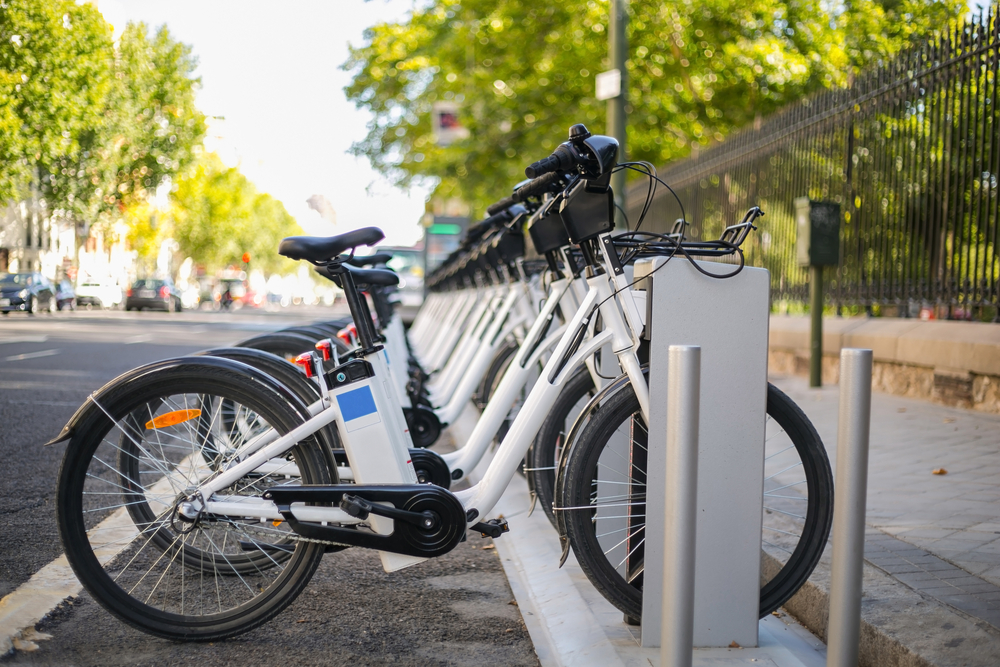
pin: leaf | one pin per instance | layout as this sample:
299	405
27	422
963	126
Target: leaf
939	471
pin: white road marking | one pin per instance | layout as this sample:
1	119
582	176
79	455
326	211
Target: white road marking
24	339
32	355
22	609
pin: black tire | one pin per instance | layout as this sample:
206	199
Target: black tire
30	307
493	374
197	585
292	378
546	449
285	345
613	579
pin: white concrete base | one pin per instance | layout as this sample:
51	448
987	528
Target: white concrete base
570	623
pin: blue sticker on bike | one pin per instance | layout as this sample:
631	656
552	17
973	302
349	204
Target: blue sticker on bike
358	408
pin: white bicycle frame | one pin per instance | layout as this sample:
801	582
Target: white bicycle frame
376	449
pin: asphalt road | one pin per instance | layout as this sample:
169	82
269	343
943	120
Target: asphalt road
456	609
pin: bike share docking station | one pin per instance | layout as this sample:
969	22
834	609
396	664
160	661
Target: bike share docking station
705	465
728	320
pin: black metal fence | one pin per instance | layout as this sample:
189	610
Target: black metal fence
910	151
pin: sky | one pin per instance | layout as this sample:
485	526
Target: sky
271	71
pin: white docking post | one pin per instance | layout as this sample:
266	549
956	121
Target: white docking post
850	499
728	320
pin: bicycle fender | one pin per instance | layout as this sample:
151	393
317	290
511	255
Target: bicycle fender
571	440
90	406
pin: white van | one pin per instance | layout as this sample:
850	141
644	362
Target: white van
100	292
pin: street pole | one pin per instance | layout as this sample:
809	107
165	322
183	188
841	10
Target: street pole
618	54
816	328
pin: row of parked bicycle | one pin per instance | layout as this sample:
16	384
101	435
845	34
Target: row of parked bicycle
197	495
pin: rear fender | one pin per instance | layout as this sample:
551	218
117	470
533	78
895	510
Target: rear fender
90	406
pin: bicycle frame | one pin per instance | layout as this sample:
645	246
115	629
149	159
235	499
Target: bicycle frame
383	457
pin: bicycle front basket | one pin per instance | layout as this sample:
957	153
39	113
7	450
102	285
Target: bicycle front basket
587	211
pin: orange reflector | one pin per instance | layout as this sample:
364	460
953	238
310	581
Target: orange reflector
172	418
276	523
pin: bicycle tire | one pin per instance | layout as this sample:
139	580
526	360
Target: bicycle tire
92	526
495	371
546	448
285	345
621	583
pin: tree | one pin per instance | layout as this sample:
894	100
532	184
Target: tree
218	215
153	125
56	62
96	127
522	73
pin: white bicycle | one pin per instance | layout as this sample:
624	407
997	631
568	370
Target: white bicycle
196	500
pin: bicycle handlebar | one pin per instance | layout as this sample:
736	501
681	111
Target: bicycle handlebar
562	158
532	188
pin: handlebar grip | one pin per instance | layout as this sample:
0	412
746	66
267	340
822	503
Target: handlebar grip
503	204
562	158
544	166
537	186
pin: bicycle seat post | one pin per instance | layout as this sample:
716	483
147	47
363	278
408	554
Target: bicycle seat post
360	313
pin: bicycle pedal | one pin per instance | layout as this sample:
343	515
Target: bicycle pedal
493	528
357	507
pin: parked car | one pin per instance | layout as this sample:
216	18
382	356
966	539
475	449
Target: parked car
26	292
65	296
100	292
409	264
154	294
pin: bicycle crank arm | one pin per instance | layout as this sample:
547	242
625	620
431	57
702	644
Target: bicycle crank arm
427	520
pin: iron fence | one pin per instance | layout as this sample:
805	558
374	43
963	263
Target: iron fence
910	151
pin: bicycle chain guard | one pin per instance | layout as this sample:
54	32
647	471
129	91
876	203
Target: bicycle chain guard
407	537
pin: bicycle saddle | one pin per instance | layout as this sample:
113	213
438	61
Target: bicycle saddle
372	277
368	260
325	248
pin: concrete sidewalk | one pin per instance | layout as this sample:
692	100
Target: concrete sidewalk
932	550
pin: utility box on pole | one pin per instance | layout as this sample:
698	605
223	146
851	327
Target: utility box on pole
817	244
818	240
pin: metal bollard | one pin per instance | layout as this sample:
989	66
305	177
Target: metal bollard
683	391
853	429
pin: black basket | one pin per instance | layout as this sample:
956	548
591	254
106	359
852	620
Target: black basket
548	232
587	211
506	247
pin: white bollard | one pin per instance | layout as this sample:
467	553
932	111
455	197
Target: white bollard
677	620
853	430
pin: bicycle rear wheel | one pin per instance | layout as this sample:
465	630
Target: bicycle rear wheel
129	462
604	500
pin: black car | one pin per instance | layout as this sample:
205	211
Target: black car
26	292
154	294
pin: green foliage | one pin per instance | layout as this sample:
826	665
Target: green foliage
94	126
56	60
218	215
522	73
154	127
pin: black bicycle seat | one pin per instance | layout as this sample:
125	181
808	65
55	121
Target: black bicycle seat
371	277
325	248
369	260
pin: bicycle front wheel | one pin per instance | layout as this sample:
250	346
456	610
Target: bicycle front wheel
131	461
604	500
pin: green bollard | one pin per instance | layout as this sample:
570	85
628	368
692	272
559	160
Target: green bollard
816	328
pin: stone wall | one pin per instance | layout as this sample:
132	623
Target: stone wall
953	363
